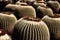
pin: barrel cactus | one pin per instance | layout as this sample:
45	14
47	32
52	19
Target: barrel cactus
4	35
25	11
11	7
36	4
29	28
53	23
42	11
54	5
7	22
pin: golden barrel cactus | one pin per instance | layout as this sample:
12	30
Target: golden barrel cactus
11	7
36	4
42	11
29	28
54	5
53	23
7	22
25	11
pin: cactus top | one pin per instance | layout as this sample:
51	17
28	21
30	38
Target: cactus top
32	19
54	16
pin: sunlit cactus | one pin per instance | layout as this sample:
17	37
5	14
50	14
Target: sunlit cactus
25	11
7	22
29	28
53	23
54	5
42	11
4	35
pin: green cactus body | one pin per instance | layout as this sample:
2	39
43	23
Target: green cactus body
11	7
30	29
25	11
42	11
54	5
53	25
7	22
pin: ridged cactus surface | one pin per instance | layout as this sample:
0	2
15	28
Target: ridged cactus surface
54	5
30	30
7	22
25	11
53	25
42	11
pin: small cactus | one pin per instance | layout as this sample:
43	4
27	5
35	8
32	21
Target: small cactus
54	5
11	7
29	28
42	11
53	23
35	5
7	22
25	11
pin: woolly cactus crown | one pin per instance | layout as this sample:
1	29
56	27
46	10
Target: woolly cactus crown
28	28
7	22
21	3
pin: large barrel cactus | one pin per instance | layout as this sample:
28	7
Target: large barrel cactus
54	5
42	11
25	11
28	28
4	35
7	22
53	23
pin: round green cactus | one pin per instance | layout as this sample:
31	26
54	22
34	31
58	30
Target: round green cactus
28	28
54	5
7	22
53	23
25	11
42	11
